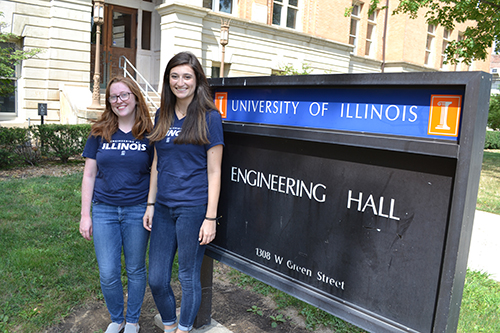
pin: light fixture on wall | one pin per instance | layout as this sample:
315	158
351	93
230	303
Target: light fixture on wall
224	40
98	21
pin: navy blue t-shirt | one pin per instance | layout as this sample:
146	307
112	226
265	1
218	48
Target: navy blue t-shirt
123	168
182	168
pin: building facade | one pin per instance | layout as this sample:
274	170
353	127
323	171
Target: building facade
265	36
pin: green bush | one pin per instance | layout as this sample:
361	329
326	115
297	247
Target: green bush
17	146
494	112
62	141
20	145
492	140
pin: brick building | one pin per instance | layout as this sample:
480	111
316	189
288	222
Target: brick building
264	37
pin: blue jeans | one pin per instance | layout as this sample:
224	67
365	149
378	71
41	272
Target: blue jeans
176	229
115	227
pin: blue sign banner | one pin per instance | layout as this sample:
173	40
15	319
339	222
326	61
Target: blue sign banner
423	113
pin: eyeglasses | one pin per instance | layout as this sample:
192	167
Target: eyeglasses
124	96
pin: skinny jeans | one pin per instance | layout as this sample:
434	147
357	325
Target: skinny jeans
176	229
116	228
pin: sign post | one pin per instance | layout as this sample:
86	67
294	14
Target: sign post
355	193
42	111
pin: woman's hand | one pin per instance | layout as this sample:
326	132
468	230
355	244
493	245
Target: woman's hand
147	219
86	227
207	232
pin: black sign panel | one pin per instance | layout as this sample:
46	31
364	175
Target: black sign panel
316	214
371	228
42	109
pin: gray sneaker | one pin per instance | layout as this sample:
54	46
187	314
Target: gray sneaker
131	328
115	327
158	322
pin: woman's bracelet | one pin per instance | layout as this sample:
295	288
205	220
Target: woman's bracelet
151	203
212	218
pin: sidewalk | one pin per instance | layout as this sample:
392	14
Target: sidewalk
485	244
214	327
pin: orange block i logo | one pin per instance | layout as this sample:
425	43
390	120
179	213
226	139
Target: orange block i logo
221	103
444	115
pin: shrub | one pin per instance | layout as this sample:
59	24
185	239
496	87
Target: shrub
62	141
17	145
494	112
492	140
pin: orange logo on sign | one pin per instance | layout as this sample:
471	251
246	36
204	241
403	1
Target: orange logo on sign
444	116
221	103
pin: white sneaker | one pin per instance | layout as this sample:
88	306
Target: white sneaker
131	328
158	322
115	327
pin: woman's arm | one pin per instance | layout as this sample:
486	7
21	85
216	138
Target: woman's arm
147	220
88	181
214	165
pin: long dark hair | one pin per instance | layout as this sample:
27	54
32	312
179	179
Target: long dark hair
107	125
194	128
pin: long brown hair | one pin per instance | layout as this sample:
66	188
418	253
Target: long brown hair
107	125
194	128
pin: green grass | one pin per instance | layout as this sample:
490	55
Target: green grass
488	198
480	311
47	269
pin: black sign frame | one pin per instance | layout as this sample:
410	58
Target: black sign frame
42	109
464	157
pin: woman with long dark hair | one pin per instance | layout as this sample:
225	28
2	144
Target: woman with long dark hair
184	188
115	185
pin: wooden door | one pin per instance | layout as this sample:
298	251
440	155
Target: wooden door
119	37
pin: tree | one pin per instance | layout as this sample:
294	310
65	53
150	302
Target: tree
10	57
494	114
478	37
290	70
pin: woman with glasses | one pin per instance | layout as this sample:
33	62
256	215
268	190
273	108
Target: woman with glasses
115	185
185	186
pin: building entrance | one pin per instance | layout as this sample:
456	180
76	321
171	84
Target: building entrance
119	38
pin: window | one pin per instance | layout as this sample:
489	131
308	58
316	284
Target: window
370	35
122	30
146	30
353	32
215	71
446	41
285	13
429	44
8	96
224	6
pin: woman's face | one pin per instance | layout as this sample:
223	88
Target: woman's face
122	100
182	82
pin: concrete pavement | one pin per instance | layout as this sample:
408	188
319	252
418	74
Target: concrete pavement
215	327
485	244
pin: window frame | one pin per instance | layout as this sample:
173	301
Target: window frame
356	22
371	39
446	40
17	73
431	36
214	5
286	8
